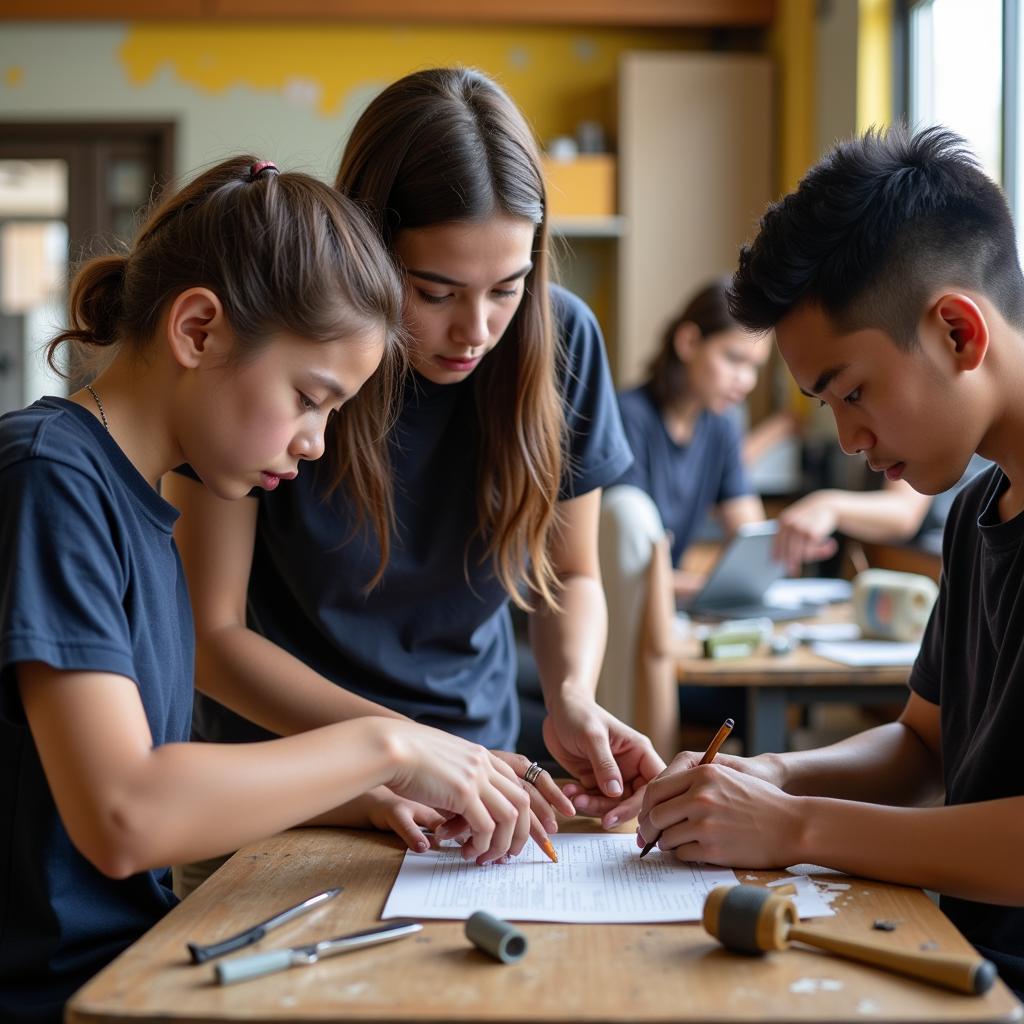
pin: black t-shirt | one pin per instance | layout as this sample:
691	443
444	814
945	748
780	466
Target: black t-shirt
90	581
434	639
972	665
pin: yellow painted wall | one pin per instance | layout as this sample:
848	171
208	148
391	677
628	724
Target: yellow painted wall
874	63
292	90
791	42
557	76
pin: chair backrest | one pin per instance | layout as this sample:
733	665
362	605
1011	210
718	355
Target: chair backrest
636	677
656	690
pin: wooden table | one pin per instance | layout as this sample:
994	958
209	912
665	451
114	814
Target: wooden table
593	973
773	681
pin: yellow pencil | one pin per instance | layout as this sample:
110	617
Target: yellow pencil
546	845
709	755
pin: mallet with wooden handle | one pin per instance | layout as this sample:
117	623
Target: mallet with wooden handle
752	919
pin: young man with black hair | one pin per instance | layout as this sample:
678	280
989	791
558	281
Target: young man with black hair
891	279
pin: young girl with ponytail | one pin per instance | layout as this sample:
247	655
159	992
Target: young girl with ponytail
252	306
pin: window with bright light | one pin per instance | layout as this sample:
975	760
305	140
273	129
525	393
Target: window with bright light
956	73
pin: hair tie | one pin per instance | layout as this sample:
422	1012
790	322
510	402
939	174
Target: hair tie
260	166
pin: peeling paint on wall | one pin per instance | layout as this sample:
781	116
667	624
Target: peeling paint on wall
558	76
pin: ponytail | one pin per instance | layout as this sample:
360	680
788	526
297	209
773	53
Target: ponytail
95	310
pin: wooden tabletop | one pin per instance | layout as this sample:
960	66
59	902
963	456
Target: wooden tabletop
799	666
593	973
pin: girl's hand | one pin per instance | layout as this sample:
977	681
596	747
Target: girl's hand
381	809
719	815
387	811
545	798
611	761
445	772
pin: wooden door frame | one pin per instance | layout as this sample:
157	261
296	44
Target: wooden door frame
76	142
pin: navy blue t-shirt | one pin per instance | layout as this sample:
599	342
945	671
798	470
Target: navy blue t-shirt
972	665
686	480
434	639
91	581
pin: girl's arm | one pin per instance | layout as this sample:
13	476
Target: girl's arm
265	683
235	665
596	748
129	806
569	643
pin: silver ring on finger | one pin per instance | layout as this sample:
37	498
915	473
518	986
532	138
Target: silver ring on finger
532	773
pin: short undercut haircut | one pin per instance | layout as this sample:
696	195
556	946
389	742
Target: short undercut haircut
873	229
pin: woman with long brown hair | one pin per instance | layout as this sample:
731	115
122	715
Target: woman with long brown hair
505	434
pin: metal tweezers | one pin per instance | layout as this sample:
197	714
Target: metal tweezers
259	964
200	954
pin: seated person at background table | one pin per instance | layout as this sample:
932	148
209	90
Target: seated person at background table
892	282
506	431
687	451
220	359
688	461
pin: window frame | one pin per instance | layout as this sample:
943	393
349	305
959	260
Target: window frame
1010	129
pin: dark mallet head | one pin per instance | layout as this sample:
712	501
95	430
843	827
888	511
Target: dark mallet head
748	918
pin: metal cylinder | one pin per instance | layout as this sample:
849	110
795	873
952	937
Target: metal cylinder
498	938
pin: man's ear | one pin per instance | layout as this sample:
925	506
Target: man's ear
685	340
197	329
963	327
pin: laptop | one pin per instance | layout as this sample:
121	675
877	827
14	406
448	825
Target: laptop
736	586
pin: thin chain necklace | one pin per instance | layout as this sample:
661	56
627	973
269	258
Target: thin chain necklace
103	415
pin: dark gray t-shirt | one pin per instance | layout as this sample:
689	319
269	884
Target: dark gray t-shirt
685	481
972	665
434	639
90	580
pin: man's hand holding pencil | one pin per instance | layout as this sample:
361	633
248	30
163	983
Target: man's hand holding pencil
722	810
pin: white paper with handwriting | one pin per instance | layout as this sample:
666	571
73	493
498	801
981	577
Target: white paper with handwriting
599	878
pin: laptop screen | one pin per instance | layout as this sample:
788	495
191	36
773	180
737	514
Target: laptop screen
743	572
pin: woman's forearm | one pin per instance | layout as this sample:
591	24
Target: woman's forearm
568	644
265	684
